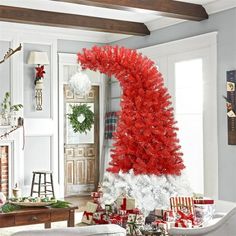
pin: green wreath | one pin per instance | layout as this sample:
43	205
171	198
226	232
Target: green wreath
86	125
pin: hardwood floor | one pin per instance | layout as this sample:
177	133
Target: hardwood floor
79	201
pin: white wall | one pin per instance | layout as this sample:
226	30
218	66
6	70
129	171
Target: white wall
41	127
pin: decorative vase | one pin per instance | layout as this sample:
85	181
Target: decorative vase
5	119
16	191
13	118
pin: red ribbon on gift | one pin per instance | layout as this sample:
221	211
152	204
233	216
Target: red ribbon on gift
157	222
124	204
87	214
184	216
169	214
134	211
100	221
115	219
182	223
203	201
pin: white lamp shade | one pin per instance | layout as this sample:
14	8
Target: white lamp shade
38	58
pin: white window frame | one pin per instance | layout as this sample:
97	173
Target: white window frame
165	55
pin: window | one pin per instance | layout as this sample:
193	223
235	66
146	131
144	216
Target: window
189	70
189	114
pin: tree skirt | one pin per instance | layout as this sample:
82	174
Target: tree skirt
149	191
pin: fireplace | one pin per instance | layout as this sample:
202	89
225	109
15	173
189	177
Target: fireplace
4	164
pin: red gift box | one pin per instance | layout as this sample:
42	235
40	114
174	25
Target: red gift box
96	194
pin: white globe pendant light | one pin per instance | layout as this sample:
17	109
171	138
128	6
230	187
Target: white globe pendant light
80	82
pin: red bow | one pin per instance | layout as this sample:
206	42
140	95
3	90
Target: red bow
40	71
87	214
183	216
183	223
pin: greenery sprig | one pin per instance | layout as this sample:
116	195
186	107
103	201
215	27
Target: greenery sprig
60	204
6	105
8	207
86	125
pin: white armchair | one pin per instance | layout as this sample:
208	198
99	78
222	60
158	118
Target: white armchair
223	223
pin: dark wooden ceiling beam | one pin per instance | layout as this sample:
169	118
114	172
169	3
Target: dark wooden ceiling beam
168	8
38	17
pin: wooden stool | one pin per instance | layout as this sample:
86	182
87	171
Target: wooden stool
42	184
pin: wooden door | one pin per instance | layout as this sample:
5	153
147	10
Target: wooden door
81	151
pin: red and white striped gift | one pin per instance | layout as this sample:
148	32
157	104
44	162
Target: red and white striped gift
182	203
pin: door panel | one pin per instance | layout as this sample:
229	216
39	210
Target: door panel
80	172
90	170
69	172
81	151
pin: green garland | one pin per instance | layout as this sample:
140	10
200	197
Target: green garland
86	125
9	207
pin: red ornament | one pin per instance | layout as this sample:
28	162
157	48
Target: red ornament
40	71
145	139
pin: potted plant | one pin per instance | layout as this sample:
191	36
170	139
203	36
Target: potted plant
8	110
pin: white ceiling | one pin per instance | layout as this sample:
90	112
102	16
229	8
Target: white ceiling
152	21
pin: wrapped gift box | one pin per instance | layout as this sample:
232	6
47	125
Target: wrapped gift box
169	216
204	210
88	213
159	213
160	223
184	204
98	215
125	203
134	223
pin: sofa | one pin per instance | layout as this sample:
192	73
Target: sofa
96	230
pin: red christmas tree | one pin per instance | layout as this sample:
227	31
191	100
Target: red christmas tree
145	139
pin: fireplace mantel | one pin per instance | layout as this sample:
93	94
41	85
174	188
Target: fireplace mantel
14	144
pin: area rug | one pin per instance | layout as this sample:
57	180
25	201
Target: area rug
10	230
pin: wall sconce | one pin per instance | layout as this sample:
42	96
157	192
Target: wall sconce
40	59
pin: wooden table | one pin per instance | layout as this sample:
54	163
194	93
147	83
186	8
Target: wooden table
38	215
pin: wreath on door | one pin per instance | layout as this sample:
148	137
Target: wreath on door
81	118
